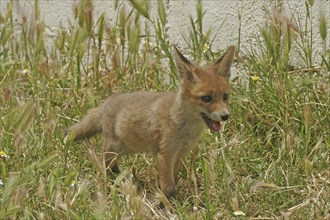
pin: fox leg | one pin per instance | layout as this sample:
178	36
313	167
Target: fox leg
165	165
111	157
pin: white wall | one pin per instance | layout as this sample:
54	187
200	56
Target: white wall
221	15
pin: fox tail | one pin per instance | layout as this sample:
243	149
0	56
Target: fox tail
89	126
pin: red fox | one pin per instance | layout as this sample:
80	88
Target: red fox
165	123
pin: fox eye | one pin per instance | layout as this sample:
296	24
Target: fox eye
225	96
206	98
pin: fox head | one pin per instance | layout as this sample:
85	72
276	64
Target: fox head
206	89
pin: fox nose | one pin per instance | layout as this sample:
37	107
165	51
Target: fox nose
224	117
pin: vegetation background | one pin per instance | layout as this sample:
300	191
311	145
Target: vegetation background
270	162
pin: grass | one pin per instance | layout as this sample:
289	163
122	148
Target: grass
270	162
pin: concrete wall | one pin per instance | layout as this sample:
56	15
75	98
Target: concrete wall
221	15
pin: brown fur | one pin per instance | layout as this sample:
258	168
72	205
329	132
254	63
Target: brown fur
165	123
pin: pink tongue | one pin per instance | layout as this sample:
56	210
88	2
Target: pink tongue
216	126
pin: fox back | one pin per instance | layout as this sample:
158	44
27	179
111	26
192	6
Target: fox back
166	123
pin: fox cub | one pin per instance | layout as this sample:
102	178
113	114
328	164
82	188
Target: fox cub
165	123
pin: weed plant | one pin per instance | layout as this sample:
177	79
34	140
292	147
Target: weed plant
270	162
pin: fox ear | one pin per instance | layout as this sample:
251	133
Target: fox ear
183	65
224	63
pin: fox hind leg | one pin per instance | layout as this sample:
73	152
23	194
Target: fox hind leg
111	156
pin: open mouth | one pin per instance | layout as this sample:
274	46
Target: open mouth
213	125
